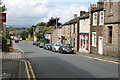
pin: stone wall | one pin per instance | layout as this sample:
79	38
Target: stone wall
111	17
54	37
99	32
111	48
119	40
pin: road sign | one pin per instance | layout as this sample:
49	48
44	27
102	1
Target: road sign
2	17
45	35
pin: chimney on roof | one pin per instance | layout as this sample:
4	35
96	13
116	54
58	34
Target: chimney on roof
93	5
82	13
75	16
100	3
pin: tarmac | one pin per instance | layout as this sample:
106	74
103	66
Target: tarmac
90	55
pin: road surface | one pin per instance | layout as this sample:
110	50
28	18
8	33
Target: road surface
47	64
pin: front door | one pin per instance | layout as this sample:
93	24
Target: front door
100	45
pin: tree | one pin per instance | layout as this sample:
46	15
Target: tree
46	29
3	8
31	30
52	22
13	28
41	24
24	35
39	36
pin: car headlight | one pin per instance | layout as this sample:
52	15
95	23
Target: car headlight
72	48
64	49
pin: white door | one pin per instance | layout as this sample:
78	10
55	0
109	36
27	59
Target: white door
100	45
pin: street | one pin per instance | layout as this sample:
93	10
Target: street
47	64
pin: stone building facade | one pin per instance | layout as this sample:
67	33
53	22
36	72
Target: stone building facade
97	23
71	32
112	29
84	33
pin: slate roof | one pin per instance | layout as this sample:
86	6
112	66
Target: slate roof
72	21
49	32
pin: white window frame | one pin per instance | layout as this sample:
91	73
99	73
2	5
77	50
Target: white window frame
95	21
101	21
94	39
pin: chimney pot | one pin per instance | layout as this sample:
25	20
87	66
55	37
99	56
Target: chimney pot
75	16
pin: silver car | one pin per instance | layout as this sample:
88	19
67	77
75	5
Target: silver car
56	47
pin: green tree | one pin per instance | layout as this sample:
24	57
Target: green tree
31	30
41	24
3	8
39	36
24	35
46	29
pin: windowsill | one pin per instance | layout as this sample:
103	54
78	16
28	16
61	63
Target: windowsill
111	14
94	25
101	24
93	46
109	44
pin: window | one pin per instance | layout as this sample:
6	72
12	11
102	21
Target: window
73	28
95	18
74	43
111	5
109	34
101	18
94	39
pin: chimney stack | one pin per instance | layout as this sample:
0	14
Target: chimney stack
82	13
75	16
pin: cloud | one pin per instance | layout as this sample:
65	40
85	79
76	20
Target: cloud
30	12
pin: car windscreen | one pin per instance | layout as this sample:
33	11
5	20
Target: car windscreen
67	45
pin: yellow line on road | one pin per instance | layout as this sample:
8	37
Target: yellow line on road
27	70
101	59
31	69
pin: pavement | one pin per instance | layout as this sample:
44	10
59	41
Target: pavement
10	69
12	66
47	64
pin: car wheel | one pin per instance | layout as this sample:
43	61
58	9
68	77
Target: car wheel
62	52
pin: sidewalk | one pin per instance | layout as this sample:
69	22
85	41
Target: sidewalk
115	59
11	63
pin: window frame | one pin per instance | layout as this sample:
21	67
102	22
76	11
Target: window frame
101	22
94	39
111	6
110	41
94	24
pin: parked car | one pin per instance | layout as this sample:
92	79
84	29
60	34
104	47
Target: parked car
34	42
66	48
45	46
16	40
55	47
41	45
20	39
50	46
37	43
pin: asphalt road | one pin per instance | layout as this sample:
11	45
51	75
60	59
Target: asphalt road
47	64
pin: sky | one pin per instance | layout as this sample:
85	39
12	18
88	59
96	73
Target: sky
25	13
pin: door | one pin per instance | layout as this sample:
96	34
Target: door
100	45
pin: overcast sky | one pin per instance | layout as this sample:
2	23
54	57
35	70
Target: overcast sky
30	12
